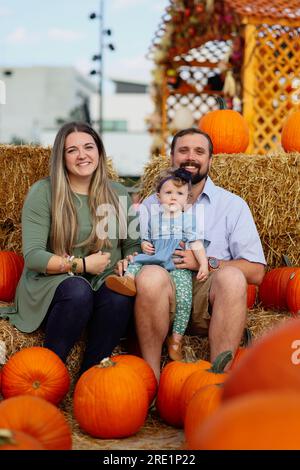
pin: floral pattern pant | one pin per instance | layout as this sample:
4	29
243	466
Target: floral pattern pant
184	287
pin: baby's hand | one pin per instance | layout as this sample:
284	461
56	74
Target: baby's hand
202	274
147	248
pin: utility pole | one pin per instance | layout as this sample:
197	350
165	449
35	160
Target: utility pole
100	58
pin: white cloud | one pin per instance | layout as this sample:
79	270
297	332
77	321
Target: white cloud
65	35
5	11
83	65
21	36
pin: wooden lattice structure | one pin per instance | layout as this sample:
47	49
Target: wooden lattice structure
247	52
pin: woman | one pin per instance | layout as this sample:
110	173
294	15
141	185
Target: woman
67	256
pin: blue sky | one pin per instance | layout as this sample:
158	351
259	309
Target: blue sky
59	32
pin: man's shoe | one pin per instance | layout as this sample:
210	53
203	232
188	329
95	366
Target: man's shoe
174	349
124	285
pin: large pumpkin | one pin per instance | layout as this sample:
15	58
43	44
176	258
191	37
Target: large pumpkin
293	293
202	404
35	371
271	363
172	379
18	440
273	289
38	418
110	400
11	267
259	421
227	129
290	138
212	375
142	368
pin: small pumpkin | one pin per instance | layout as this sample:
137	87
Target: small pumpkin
202	404
290	139
293	293
38	418
273	362
18	440
35	371
110	400
251	295
11	267
172	379
142	368
227	129
273	289
258	421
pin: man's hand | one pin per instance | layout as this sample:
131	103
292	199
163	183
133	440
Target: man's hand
185	259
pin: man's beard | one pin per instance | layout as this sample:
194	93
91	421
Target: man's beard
198	177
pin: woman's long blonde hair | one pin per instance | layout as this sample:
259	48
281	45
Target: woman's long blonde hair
64	224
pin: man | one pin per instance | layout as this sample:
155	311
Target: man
235	259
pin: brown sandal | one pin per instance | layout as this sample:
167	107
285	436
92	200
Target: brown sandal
124	285
174	349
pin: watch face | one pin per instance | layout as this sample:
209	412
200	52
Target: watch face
213	263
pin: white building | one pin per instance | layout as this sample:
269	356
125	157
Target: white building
38	99
125	134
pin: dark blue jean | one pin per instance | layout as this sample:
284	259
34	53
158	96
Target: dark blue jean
76	307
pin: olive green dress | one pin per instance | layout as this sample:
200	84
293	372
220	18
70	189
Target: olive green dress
36	289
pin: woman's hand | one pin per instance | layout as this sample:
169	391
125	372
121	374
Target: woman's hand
147	248
97	262
122	265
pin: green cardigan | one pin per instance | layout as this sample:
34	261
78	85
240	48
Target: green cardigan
36	289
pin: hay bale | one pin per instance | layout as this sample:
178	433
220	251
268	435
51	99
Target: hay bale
270	186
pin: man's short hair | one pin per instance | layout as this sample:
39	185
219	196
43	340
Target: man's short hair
191	131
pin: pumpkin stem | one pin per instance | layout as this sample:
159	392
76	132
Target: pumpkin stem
220	362
221	102
247	337
6	437
106	362
287	260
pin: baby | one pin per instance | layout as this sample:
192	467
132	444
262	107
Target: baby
169	225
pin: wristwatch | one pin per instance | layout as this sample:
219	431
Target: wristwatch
213	263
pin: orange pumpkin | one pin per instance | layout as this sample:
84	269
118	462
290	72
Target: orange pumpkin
11	267
251	295
110	400
259	421
142	368
202	404
209	376
170	386
290	139
35	371
18	440
293	293
271	363
273	289
190	387
38	418
227	129
237	357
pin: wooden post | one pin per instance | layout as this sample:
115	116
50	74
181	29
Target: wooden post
249	73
